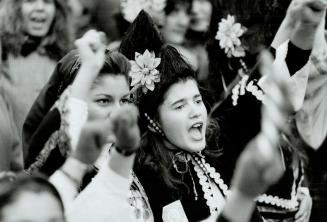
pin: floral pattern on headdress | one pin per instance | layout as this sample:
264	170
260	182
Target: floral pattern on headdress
229	34
131	8
143	71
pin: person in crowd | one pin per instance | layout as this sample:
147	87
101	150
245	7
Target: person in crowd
288	199
29	198
102	86
309	127
101	100
197	36
168	154
34	35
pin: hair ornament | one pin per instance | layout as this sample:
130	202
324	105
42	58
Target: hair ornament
143	71
229	34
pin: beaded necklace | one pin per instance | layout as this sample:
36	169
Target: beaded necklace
205	172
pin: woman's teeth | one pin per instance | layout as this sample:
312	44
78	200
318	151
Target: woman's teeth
39	20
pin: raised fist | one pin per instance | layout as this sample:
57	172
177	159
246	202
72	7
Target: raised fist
126	129
260	164
92	48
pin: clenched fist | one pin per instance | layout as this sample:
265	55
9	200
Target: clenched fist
91	48
126	129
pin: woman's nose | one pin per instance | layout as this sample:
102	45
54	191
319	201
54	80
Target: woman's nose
39	4
183	18
195	8
195	111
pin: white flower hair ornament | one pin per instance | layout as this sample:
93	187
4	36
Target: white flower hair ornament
228	34
143	71
131	8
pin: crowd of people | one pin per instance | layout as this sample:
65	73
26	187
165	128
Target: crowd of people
163	110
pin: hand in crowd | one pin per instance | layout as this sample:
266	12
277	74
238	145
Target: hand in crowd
126	129
91	48
121	129
260	165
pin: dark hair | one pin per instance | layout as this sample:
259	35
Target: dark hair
115	64
11	190
172	5
173	69
55	44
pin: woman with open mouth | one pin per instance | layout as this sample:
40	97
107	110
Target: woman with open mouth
34	35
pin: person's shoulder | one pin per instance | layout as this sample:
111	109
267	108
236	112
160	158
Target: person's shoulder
68	65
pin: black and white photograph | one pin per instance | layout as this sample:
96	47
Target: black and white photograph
163	111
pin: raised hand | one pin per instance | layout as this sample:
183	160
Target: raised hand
260	164
91	48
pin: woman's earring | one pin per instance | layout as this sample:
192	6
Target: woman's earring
180	162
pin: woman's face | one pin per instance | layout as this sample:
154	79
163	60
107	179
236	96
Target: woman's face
183	116
34	207
38	16
108	93
176	25
200	16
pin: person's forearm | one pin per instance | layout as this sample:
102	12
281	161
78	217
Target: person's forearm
68	178
122	165
83	81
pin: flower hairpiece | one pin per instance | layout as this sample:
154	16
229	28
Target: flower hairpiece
228	34
143	71
131	8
